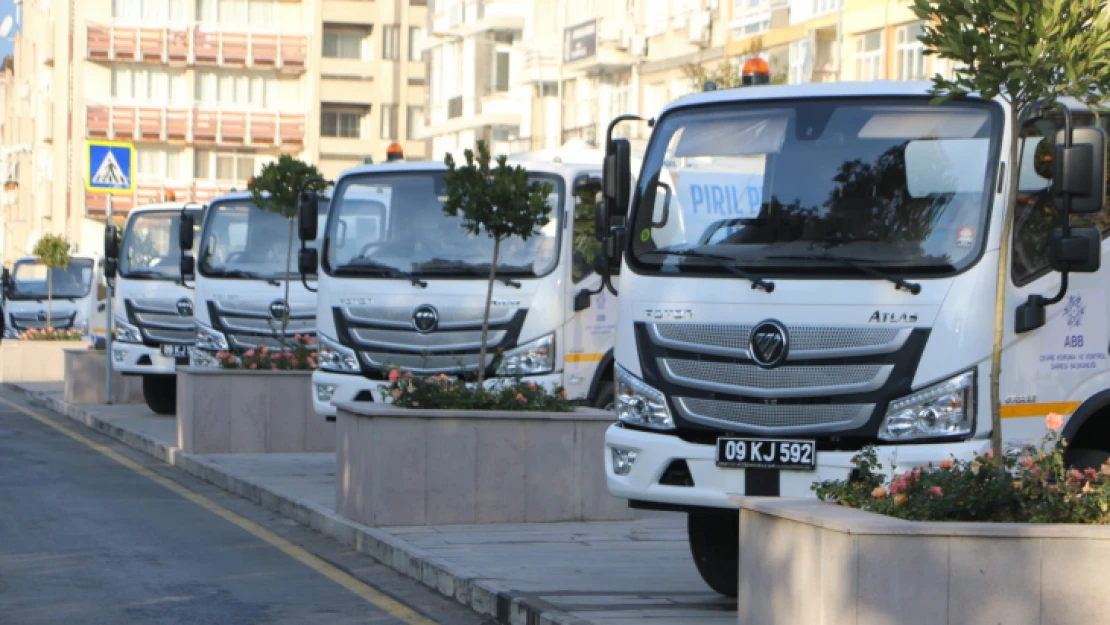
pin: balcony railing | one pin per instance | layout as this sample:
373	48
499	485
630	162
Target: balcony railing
194	125
96	204
196	45
585	133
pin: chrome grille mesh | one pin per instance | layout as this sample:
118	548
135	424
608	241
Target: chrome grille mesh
805	341
772	418
413	341
747	379
160	322
59	321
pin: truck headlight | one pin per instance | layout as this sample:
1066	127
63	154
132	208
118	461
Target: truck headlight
335	357
126	333
210	339
535	358
639	404
10	332
943	409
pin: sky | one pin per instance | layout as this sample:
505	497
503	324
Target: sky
7	7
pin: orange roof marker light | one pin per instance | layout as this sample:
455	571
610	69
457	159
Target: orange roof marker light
755	72
170	195
394	153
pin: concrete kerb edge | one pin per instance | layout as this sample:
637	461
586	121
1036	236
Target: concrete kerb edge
458	583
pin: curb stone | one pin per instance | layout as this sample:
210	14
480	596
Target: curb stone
464	586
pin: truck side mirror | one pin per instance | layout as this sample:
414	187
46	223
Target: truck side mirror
1080	252
308	261
111	242
188	267
308	216
616	185
581	300
111	267
185	233
1080	171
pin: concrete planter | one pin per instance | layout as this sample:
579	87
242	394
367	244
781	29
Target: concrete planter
84	380
249	412
35	361
398	466
804	561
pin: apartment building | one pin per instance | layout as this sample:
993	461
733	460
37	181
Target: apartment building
209	91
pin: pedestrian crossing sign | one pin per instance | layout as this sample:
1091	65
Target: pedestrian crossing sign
110	167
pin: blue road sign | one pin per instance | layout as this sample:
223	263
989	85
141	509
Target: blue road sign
109	167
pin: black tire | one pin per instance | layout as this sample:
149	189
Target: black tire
1083	459
160	393
604	398
715	545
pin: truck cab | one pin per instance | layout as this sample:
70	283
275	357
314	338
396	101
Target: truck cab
403	284
152	307
240	271
811	269
79	293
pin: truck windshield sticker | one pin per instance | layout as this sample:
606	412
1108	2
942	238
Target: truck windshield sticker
720	194
1076	338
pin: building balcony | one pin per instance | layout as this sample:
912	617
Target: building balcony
360	12
194	125
345	146
341	91
457	114
197	46
148	192
464	18
539	60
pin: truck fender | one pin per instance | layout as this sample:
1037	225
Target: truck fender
603	365
1088	409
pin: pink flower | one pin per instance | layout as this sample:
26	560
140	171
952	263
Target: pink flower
297	336
878	492
394	375
935	491
231	360
1027	462
250	353
396	393
308	341
898	485
532	385
520	398
1054	422
222	355
562	394
254	366
292	362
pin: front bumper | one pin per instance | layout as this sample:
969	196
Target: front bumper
329	388
713	485
135	359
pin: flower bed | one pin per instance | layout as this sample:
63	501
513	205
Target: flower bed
1031	486
441	392
301	356
51	334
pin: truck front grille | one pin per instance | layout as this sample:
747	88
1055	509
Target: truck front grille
33	321
159	321
249	324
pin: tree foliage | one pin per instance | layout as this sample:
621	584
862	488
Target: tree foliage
53	251
726	74
498	200
1026	52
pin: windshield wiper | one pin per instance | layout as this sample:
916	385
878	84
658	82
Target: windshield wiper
724	262
357	266
468	269
859	264
244	275
147	273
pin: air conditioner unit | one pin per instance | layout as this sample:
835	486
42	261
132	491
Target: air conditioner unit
699	30
637	46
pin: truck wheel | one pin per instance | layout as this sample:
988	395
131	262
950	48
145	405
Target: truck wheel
604	398
160	393
1083	459
715	545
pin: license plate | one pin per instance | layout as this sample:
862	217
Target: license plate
175	351
766	454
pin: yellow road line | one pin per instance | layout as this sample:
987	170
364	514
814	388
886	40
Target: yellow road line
1017	411
381	601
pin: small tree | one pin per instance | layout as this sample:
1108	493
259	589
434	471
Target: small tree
53	251
1025	52
278	189
726	75
499	200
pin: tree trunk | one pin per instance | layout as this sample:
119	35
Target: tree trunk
49	296
1013	171
485	317
288	263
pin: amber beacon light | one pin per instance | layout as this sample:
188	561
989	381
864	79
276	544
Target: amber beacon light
394	153
755	72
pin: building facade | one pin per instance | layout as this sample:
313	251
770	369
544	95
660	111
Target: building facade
208	91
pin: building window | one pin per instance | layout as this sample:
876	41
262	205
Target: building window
799	53
391	44
137	84
339	123
416	44
910	53
343	44
237	12
414	126
389	122
821	7
501	73
751	17
235	88
158	163
149	11
869	56
223	167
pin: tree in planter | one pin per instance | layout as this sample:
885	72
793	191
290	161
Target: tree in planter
498	200
278	189
53	251
1026	52
726	74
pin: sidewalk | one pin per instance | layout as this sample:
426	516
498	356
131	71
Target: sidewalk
527	574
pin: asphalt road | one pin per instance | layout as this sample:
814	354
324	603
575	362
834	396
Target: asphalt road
86	539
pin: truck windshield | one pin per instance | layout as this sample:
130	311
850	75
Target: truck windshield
150	249
781	187
382	224
242	241
29	280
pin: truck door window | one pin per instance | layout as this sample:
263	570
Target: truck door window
1035	213
586	246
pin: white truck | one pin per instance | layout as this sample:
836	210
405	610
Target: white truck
79	296
151	306
402	284
810	269
239	270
